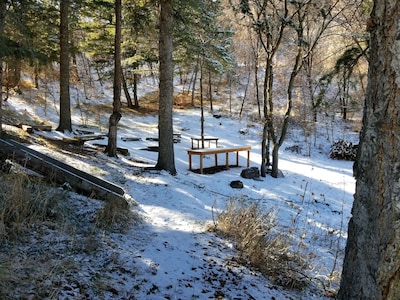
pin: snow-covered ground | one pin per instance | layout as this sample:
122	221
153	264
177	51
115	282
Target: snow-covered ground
171	255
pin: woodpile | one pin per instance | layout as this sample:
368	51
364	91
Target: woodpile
343	150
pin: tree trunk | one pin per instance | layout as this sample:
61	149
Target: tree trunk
36	74
289	103
111	148
196	70
245	92
210	91
166	159
2	22
126	91
65	101
201	107
256	86
371	268
268	108
135	89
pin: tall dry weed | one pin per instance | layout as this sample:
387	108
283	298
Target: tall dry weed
25	200
252	229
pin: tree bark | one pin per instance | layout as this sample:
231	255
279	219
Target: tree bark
196	69
111	148
135	86
371	268
65	101
166	159
3	7
126	91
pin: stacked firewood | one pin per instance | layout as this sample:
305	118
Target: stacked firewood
343	150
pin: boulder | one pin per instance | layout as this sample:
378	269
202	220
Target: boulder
251	173
236	184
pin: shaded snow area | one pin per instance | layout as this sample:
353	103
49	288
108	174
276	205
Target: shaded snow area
170	254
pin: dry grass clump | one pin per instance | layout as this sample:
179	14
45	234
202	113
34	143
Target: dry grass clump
25	200
115	217
252	231
42	231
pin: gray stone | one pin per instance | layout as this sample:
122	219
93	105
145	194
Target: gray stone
250	173
236	184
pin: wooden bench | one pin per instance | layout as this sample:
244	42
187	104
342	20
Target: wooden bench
206	139
216	151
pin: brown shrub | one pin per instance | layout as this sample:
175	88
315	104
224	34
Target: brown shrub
253	233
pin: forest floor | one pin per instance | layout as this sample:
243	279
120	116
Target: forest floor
163	248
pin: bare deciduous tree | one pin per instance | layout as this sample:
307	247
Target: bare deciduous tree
280	25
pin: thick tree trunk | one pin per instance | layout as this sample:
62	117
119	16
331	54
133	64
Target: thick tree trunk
2	22
111	148
371	268
65	102
166	159
267	110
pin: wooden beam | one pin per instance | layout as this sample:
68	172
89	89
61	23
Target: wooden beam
59	172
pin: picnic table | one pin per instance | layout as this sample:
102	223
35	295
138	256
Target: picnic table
208	139
207	151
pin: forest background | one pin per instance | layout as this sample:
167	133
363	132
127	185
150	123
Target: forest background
292	59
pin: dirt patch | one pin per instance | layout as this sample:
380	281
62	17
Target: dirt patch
148	104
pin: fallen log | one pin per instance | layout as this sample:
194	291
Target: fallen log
30	128
59	172
123	151
130	139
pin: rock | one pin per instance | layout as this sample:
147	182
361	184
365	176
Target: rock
236	184
243	131
250	173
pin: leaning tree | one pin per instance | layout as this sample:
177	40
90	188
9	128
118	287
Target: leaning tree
371	268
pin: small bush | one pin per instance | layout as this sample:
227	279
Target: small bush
252	231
